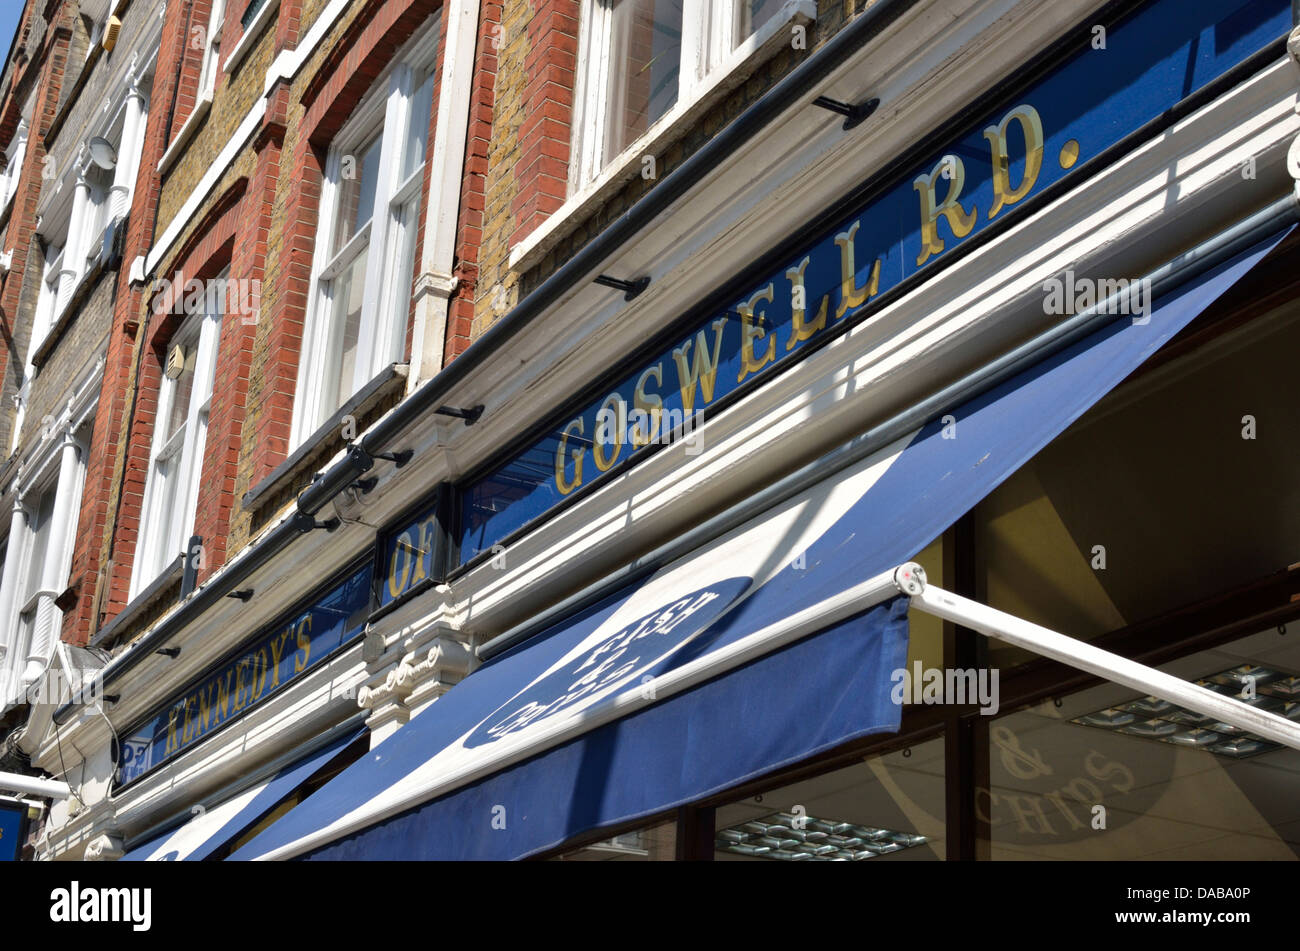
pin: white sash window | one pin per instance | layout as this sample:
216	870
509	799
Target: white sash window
643	61
180	434
365	247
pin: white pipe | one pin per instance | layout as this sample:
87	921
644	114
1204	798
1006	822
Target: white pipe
35	786
435	284
1086	657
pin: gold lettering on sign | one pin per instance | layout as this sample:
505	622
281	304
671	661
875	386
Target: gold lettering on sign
172	744
277	651
751	329
427	528
259	674
651	404
996	136
303	639
223	693
187	728
800	331
608	435
703	370
561	483
237	701
399	566
852	296
960	220
205	707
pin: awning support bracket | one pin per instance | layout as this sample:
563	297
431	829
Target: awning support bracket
910	579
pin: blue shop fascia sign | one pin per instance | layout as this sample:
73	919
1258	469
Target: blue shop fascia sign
296	643
1103	91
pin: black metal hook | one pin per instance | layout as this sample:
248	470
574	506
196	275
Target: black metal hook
630	289
854	115
471	415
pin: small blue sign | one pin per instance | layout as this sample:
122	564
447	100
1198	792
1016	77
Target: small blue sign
13	820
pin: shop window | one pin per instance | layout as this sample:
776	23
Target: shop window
180	433
1110	774
1182	484
886	808
638	59
365	246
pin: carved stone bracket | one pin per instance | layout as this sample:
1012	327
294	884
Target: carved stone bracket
104	848
434	659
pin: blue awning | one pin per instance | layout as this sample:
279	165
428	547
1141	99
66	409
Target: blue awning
703	675
212	828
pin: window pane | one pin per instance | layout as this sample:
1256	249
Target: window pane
645	63
348	295
1153	499
397	280
417	132
754	13
39	526
1175	785
357	191
165	476
182	390
888	808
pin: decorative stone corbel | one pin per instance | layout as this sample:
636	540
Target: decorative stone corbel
1293	49
435	670
1293	165
104	848
431	282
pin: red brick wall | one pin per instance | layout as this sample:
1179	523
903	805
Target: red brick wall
543	165
195	15
473	190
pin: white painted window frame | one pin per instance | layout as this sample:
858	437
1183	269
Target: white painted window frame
212	50
42	321
388	237
29	594
171	498
710	34
13	163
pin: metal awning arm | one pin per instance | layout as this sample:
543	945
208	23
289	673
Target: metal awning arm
1081	655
